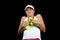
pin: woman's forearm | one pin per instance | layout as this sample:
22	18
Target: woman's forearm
20	30
42	27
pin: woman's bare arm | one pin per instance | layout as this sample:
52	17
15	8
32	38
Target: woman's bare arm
20	29
41	25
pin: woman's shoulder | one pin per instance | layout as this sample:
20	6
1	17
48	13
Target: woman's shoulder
24	18
38	15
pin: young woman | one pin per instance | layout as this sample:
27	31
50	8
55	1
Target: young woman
31	25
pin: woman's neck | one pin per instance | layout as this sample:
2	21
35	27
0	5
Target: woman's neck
31	16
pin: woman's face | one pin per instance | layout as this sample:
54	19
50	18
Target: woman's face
29	11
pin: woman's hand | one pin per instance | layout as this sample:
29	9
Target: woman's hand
25	23
36	22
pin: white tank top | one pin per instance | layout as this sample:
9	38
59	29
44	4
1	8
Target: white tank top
33	32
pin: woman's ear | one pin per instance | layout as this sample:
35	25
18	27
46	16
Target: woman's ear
34	11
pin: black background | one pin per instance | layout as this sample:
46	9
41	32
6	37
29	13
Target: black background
11	13
41	7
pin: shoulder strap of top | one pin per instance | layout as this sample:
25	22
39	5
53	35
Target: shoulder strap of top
26	19
35	17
